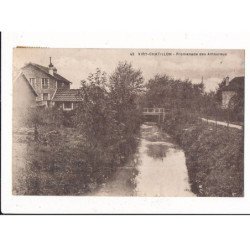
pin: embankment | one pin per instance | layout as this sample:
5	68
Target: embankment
214	157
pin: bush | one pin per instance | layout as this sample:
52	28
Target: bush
214	158
85	147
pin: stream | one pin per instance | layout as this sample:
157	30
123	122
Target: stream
158	169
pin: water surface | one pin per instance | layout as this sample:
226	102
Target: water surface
157	170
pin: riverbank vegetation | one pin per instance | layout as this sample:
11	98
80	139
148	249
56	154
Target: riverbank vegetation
74	153
214	154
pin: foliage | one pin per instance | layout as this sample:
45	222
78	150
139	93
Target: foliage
94	116
64	166
236	106
174	95
215	161
218	93
235	111
126	85
214	155
103	136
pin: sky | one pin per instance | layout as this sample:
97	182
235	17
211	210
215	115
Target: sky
77	64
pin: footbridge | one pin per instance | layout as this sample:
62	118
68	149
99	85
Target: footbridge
157	112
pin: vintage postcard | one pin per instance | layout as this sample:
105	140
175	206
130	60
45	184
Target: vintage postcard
128	122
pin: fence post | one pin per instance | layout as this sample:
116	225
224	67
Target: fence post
35	133
216	117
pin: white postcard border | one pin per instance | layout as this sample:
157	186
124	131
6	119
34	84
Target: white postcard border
89	205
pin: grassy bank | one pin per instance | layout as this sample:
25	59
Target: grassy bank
214	156
62	162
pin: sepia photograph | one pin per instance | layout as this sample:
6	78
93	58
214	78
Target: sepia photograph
124	124
128	122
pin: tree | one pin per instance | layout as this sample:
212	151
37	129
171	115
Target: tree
218	94
176	95
126	86
94	115
159	90
109	115
236	105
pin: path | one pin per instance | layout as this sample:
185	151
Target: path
223	123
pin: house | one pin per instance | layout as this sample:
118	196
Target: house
24	99
24	96
231	89
67	99
50	87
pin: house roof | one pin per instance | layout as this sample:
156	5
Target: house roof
46	70
21	74
236	84
69	95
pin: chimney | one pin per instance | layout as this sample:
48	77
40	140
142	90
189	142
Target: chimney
227	81
51	67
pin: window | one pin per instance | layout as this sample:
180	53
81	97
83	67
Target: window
60	84
67	105
33	81
45	96
45	83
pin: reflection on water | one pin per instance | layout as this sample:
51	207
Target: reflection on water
157	151
158	169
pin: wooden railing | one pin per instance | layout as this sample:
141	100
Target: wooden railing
153	111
